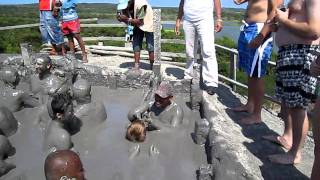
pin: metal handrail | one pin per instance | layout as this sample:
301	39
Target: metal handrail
233	53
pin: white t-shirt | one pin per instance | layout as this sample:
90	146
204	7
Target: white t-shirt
195	10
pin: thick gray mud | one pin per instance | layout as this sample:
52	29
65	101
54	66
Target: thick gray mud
104	151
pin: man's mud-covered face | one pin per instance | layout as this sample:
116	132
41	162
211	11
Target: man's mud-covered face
162	102
41	66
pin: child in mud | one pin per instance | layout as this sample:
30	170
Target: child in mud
71	26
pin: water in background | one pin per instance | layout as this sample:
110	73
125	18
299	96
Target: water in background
230	29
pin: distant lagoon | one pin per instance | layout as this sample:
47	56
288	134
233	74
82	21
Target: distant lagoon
230	29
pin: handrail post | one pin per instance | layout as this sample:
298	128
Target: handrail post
233	69
157	41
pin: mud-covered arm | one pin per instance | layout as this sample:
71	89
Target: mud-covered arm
137	112
178	117
309	29
30	100
66	142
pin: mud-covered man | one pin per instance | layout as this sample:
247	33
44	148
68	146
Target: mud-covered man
11	97
163	111
63	125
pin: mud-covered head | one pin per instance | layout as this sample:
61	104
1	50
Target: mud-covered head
81	90
10	76
63	164
43	65
8	123
136	132
163	94
62	107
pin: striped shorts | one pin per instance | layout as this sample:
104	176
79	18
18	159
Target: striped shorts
294	84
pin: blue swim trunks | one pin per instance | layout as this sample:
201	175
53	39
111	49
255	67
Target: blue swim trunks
49	28
253	61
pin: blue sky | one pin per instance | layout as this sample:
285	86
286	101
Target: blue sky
162	3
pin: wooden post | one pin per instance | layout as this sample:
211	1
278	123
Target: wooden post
157	41
26	50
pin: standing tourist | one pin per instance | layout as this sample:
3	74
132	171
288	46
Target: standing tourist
199	23
298	39
49	25
139	14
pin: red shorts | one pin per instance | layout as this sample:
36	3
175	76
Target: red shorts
71	27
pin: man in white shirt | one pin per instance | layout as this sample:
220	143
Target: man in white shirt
199	24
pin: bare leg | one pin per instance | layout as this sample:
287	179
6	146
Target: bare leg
82	47
300	126
151	58
249	106
59	49
257	91
71	43
286	139
136	59
316	136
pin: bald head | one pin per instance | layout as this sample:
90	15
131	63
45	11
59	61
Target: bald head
63	163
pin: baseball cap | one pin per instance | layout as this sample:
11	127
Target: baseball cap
165	89
122	4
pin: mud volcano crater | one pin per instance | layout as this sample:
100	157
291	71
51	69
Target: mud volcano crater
170	153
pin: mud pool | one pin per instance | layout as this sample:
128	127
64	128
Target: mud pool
104	151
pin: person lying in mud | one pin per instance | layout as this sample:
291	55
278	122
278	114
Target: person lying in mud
63	165
10	97
8	126
162	112
63	125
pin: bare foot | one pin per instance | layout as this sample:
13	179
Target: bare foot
250	120
243	108
53	52
285	159
84	58
280	140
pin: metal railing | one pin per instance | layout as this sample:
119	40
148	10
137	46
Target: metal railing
233	53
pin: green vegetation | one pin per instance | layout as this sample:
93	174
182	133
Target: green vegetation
25	14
